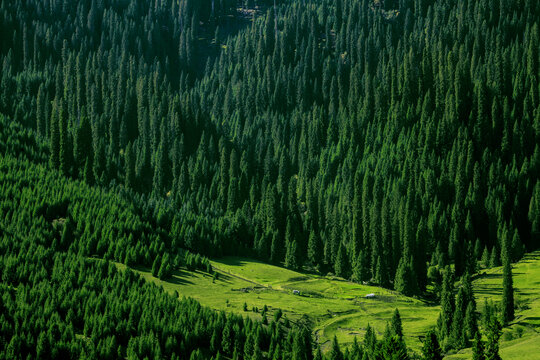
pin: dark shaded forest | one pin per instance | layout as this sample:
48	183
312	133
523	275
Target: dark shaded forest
381	141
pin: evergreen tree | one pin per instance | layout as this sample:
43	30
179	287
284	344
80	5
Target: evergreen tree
66	152
129	162
431	349
156	266
335	352
478	348
83	143
292	260
493	335
360	269
447	303
370	340
508	292
55	138
405	280
315	248
342	266
396	327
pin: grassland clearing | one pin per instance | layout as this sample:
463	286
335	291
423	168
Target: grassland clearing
331	305
334	306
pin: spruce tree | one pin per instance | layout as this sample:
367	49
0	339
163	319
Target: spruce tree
381	272
447	302
508	292
315	248
83	143
478	348
396	326
361	269
291	255
66	152
156	266
342	265
335	352
129	163
370	339
431	350
405	280
55	138
493	335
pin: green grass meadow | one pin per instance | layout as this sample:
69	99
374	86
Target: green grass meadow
337	307
332	306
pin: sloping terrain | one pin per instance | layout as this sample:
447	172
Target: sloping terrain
337	307
332	306
520	340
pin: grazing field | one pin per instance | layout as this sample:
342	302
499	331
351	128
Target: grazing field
337	307
332	306
520	340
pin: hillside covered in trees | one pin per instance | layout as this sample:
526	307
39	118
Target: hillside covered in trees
381	141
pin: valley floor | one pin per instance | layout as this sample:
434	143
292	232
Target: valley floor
337	307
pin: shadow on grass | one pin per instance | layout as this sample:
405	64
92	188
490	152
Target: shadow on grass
234	261
529	324
488	276
177	278
532	256
488	290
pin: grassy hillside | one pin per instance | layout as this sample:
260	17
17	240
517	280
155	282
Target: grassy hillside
333	306
521	340
337	307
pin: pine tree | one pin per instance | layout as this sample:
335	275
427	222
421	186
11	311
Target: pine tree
291	255
165	267
508	292
431	350
370	339
405	280
534	214
471	323
447	302
478	348
315	248
88	173
342	265
83	143
129	163
156	266
485	258
66	152
335	352
55	137
396	326
457	336
493	335
494	260
381	272
361	270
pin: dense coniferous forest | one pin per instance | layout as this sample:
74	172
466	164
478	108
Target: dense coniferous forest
388	142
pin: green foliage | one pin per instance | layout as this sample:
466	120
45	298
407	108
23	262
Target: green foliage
508	293
478	348
493	334
298	133
359	136
395	325
431	349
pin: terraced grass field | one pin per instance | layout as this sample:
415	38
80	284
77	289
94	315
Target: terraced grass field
337	307
333	306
